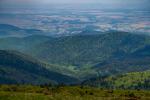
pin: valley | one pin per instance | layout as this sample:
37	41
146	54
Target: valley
86	56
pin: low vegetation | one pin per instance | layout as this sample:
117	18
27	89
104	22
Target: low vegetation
133	80
48	92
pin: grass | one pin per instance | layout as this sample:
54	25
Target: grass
17	92
133	79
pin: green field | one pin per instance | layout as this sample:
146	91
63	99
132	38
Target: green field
17	92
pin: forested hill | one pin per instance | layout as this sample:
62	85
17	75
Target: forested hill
133	80
83	56
18	68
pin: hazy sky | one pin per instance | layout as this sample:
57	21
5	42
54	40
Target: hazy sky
74	1
112	3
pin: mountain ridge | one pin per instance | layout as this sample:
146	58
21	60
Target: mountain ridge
78	54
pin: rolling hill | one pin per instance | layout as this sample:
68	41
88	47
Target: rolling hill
7	30
133	80
136	61
86	50
85	56
17	68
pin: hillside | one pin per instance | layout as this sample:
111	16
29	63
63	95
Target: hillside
7	30
136	61
78	50
133	80
85	56
16	67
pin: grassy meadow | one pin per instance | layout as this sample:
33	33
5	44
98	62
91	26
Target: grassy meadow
24	92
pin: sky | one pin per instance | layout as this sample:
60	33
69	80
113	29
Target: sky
75	1
109	3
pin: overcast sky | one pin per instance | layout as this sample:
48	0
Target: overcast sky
75	1
112	3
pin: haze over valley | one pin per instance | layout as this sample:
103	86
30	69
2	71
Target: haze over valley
68	21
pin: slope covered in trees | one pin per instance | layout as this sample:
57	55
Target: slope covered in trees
87	55
18	68
133	80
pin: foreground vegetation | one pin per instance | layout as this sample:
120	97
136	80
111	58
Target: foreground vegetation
22	92
133	80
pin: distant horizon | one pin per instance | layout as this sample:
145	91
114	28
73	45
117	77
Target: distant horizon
107	4
70	17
